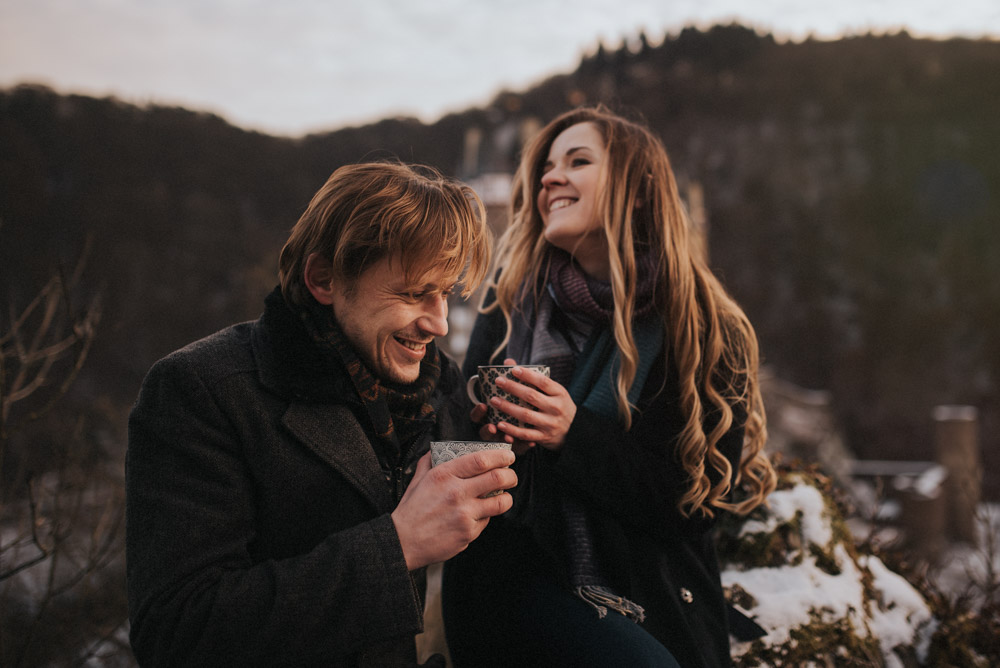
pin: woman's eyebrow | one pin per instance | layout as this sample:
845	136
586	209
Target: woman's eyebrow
569	152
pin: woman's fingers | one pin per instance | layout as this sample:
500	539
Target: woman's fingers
547	410
556	402
538	379
529	394
548	416
478	413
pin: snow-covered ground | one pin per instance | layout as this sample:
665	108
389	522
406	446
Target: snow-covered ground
822	582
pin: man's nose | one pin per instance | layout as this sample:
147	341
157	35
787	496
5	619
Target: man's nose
434	320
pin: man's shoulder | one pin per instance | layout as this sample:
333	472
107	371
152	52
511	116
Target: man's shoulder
213	357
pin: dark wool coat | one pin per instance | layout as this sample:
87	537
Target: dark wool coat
258	526
630	482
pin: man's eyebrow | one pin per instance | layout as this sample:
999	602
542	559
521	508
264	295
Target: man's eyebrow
429	286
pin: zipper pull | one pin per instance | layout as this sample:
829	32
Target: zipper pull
397	482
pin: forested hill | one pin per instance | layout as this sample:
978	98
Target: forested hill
852	190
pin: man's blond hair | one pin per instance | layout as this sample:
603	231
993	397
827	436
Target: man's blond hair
368	212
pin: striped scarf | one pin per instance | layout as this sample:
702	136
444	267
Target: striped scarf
397	412
569	330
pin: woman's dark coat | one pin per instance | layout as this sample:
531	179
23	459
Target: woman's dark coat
631	482
258	526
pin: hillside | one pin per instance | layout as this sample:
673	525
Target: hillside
851	187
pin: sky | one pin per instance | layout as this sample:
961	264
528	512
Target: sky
298	66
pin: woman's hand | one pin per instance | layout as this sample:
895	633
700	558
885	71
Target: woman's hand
489	432
549	411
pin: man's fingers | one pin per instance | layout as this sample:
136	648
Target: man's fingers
491	481
476	463
491	506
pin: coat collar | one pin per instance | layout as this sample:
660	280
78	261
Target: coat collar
288	362
320	399
350	453
323	404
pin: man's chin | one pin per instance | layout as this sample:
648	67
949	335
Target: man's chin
401	375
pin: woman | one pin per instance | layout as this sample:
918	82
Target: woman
650	426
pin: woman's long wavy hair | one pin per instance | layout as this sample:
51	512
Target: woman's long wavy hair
713	343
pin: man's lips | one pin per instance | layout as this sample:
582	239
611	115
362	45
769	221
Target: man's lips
417	347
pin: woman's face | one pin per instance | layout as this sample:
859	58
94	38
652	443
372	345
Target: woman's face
567	201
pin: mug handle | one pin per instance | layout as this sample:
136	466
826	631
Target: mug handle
470	389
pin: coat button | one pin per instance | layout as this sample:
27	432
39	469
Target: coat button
686	595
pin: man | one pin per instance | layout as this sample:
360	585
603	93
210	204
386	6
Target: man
281	508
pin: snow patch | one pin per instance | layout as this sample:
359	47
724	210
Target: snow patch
791	596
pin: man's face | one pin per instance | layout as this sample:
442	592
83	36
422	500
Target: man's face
390	322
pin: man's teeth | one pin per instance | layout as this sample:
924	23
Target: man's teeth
560	204
412	345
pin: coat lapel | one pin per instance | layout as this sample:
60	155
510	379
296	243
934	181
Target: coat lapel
335	436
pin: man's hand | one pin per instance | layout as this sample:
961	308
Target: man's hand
441	511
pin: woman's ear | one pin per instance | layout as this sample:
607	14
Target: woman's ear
318	278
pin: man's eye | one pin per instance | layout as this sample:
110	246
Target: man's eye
419	295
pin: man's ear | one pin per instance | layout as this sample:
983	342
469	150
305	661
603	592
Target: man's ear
318	278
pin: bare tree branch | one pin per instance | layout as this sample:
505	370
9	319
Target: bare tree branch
68	521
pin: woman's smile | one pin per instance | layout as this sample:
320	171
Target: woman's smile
568	201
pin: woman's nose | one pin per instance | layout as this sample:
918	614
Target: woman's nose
554	175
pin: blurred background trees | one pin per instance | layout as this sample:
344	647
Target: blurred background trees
62	504
851	191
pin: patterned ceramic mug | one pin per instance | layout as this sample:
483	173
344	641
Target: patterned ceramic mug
483	386
443	451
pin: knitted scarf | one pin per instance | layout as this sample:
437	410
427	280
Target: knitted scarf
572	335
396	412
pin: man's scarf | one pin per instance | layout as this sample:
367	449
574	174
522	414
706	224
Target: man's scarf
397	412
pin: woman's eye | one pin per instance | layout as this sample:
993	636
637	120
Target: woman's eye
579	162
